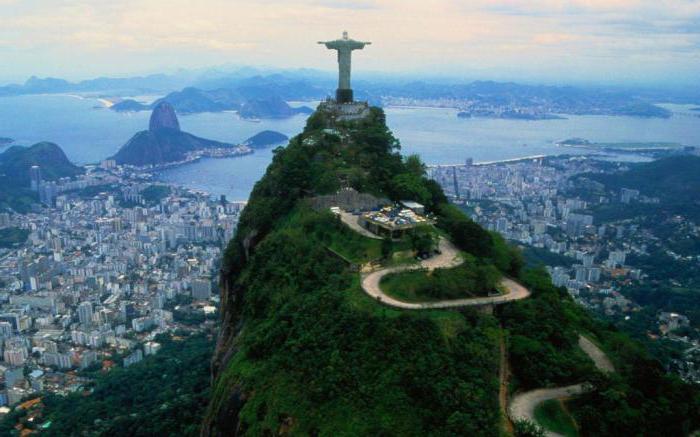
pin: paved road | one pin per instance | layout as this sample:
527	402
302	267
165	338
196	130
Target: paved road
449	257
522	406
601	361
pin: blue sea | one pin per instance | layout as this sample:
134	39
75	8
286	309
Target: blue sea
88	132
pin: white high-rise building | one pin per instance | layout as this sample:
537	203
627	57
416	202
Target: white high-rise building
85	313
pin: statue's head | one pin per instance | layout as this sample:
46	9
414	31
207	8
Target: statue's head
345	34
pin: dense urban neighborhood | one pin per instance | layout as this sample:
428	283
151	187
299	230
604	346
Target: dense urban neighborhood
92	275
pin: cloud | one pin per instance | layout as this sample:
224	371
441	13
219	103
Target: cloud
423	35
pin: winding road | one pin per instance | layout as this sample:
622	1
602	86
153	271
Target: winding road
522	406
448	257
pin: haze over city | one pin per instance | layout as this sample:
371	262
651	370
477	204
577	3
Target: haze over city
621	41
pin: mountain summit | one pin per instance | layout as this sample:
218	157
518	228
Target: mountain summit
163	117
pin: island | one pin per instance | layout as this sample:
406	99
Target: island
4	141
266	138
164	144
129	105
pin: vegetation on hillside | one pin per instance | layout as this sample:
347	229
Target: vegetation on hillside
318	356
11	237
15	163
470	279
553	417
165	394
674	180
315	347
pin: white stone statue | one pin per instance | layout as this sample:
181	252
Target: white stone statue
344	46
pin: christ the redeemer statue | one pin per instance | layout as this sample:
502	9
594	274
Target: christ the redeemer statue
344	47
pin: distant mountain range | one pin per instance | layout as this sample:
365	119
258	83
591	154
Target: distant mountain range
163	142
194	100
138	84
215	90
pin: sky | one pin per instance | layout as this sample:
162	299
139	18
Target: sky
635	41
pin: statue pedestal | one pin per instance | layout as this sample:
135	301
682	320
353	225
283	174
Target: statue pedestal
343	95
344	111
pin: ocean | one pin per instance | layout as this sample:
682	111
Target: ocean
88	132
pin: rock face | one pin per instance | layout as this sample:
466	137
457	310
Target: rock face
163	117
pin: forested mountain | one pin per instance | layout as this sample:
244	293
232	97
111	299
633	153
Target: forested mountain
304	351
674	179
15	163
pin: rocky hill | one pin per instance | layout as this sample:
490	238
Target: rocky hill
303	350
15	163
163	142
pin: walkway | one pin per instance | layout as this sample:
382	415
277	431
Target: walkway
522	406
351	221
449	257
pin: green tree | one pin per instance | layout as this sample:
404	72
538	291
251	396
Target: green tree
387	247
525	428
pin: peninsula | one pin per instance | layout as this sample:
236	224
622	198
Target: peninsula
164	143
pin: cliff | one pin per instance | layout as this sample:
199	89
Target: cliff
163	117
